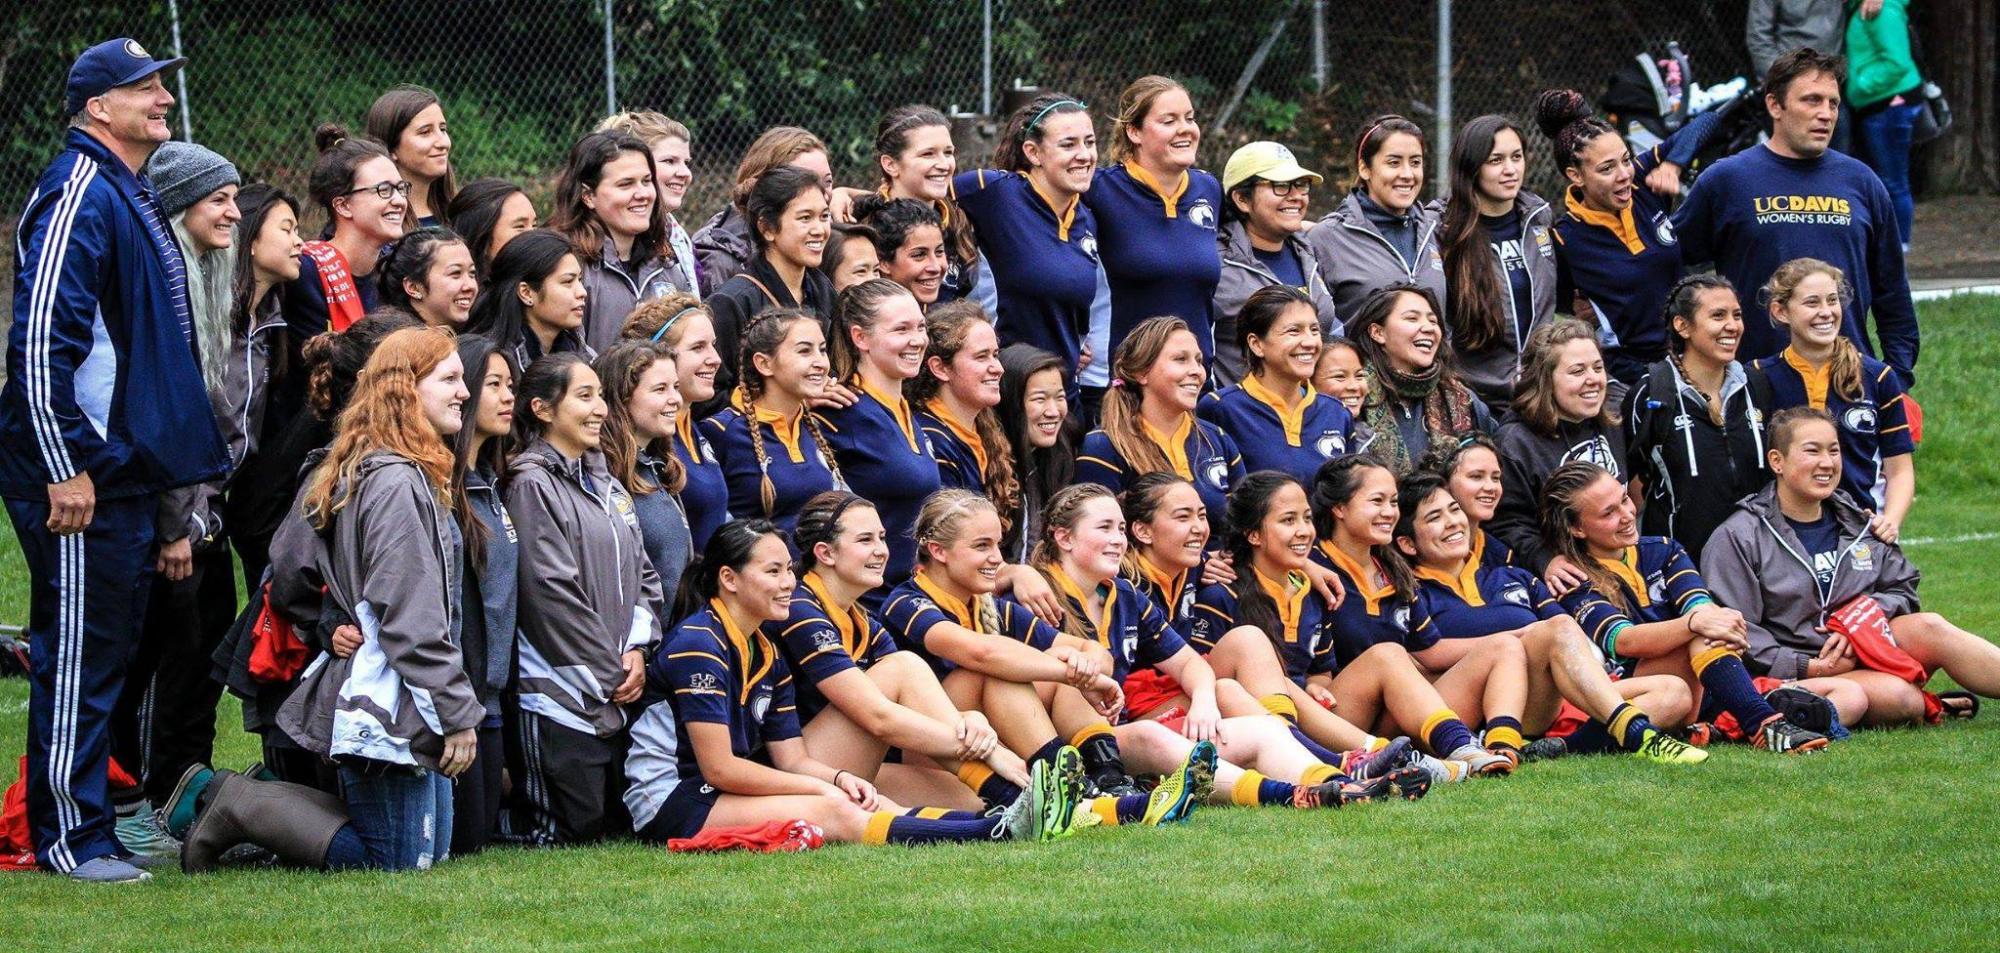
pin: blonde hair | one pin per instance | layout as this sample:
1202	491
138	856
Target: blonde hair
942	521
649	126
646	320
1134	104
777	146
1844	371
386	414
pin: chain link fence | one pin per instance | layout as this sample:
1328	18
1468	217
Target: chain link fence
521	79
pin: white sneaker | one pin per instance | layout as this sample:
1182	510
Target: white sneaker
108	870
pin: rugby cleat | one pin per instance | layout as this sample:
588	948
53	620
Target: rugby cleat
1386	756
1177	796
1545	749
1782	737
1659	746
1482	763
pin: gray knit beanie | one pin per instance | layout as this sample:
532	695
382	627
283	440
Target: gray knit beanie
184	173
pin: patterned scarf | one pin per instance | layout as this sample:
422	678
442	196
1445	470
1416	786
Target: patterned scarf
1447	409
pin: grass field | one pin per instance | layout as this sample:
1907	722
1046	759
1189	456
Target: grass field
1878	844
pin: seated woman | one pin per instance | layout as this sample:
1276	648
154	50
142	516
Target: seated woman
1796	617
1276	416
378	532
1149	421
1082	551
1822	369
1414	396
1562	413
1354	510
1649	611
1462	606
1041	433
1694	425
717	742
860	695
772	447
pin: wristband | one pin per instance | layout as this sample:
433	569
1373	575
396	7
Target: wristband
837	772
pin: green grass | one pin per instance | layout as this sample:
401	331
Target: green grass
1878	844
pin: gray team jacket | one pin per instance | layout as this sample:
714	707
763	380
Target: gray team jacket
239	414
614	292
1242	276
1491	372
1355	260
588	593
1756	565
391	560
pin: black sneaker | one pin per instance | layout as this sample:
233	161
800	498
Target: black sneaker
1812	712
1783	737
1545	749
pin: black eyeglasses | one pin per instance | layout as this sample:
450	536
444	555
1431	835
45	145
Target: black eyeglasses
1282	189
387	190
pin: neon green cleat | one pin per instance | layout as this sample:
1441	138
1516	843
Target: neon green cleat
1174	801
1666	749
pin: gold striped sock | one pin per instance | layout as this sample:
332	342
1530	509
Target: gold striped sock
1621	720
975	774
1710	656
877	831
1088	732
1431	724
1106	809
930	813
1318	774
1281	705
1503	736
1244	792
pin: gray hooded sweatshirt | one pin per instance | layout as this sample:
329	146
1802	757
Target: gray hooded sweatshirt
1756	565
1355	259
588	593
1244	275
391	560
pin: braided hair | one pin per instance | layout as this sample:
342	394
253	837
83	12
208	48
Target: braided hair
763	335
1683	301
1565	116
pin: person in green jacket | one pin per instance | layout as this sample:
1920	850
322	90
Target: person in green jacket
1886	93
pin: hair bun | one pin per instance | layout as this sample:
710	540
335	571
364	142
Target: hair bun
328	135
1555	109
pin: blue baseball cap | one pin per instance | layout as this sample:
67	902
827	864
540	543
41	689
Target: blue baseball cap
107	66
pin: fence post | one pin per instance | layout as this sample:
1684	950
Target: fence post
1319	45
1442	183
610	65
181	75
986	59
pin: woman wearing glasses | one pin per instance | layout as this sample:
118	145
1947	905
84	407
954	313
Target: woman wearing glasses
366	199
1266	192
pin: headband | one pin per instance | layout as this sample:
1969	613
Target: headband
1362	143
1036	122
662	332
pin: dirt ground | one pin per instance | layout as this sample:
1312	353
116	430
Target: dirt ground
1958	237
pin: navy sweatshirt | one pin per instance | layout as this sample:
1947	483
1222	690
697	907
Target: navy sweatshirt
1757	210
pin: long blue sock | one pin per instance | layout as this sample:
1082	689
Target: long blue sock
1725	677
1314	748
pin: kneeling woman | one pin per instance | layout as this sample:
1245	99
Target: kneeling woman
1082	551
717	744
1647	608
1759	561
378	525
590	605
1462	608
859	695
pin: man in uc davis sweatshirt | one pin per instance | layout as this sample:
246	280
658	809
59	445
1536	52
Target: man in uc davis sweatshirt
1794	198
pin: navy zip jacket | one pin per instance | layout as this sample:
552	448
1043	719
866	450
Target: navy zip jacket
101	369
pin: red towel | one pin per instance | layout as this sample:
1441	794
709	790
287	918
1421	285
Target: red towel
774	837
1867	629
276	653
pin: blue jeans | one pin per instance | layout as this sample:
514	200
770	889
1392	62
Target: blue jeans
402	815
1885	146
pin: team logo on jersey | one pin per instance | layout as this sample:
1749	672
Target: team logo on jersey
1515	593
922	604
1863	558
1683	422
1200	629
1542	243
1401	618
1089	246
760	705
826	640
1594	450
1859	418
1803	210
1656	587
1217	474
706	453
1128	646
137	52
1331	444
952	273
1202	214
1663	229
1186	606
703	681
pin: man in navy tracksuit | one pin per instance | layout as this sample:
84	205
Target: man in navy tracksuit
103	408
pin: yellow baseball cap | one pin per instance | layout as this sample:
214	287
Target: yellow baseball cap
1264	160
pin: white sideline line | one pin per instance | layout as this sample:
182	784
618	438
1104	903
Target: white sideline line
1943	540
1934	294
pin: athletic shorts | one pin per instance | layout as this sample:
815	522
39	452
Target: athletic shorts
1148	689
683	814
